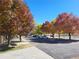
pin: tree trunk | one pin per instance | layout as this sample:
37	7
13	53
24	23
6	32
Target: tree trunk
53	35
8	38
69	36
59	35
20	38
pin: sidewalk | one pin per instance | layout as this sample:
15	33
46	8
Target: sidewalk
26	53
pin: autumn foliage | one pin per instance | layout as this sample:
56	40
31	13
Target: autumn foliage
15	18
46	27
64	23
68	23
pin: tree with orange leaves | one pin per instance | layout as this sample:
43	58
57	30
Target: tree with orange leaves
46	27
67	23
15	18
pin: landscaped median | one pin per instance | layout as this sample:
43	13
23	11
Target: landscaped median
22	45
16	46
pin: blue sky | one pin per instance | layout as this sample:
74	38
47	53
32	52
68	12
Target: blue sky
47	10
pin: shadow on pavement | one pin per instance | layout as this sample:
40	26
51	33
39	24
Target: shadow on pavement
4	48
53	41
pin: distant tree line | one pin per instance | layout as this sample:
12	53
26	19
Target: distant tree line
65	23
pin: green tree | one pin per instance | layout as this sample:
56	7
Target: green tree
38	30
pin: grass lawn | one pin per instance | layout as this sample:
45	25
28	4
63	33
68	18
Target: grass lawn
17	46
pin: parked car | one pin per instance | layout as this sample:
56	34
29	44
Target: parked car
35	36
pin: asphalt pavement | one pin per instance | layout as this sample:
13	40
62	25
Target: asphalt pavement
58	48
